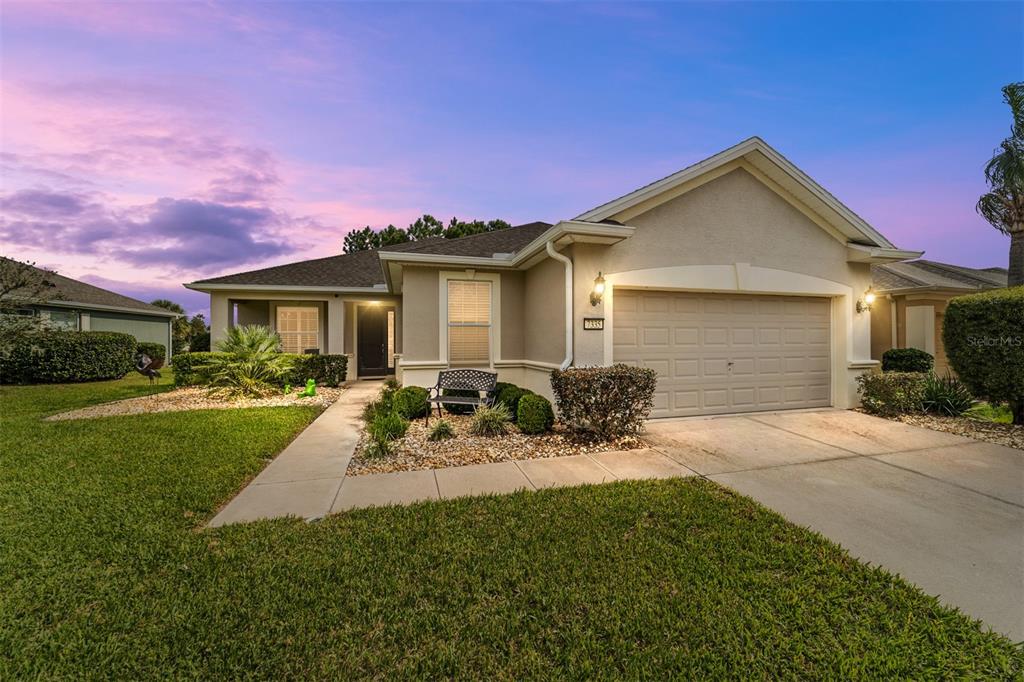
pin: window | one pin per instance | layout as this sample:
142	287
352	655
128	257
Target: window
63	320
391	339
469	322
299	329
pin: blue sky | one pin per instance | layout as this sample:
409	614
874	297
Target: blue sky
271	129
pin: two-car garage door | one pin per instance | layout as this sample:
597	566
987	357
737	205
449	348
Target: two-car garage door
722	353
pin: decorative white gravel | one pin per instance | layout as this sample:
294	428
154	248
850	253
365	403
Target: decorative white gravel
416	452
193	398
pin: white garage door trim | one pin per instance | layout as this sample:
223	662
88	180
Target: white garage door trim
726	353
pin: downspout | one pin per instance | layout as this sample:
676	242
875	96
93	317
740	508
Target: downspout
550	247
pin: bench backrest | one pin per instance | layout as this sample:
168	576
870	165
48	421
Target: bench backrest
467	380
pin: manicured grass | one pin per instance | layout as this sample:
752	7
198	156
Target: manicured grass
103	573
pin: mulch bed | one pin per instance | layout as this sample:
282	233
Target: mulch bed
414	452
990	432
193	398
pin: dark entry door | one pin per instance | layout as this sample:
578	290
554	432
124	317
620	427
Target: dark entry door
373	340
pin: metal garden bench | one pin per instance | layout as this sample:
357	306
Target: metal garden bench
463	380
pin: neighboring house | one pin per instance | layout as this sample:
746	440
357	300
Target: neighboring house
912	299
77	306
736	279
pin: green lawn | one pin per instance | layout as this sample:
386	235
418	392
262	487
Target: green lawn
104	572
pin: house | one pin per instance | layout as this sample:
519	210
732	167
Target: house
911	302
77	306
737	279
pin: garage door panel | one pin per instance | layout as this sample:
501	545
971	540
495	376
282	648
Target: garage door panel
717	353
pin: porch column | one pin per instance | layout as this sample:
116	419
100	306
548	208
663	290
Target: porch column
335	326
220	317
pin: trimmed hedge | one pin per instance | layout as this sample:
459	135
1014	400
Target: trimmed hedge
155	351
535	414
191	369
411	402
907	360
890	393
325	370
984	339
608	401
68	357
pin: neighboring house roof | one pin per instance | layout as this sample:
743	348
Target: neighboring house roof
757	156
926	274
362	269
69	293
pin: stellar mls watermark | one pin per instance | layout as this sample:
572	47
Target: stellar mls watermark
992	341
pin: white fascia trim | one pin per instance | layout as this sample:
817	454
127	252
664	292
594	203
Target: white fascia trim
112	308
859	253
376	289
731	154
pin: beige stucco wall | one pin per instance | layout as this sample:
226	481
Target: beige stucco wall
544	306
420	322
937	301
731	234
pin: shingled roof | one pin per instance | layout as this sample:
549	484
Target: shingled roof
66	291
926	274
362	268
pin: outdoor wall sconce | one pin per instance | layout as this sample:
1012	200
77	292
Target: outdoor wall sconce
866	302
598	293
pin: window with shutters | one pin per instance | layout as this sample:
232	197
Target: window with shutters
299	328
469	322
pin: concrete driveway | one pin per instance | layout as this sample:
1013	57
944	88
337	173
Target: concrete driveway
945	512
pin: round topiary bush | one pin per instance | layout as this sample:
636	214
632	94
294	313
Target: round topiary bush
411	402
510	395
535	414
907	360
984	339
59	357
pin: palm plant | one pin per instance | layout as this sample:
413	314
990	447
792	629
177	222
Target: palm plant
1003	205
252	366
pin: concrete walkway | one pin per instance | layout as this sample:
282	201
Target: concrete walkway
304	479
504	477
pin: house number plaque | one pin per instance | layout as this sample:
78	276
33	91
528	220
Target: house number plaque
593	323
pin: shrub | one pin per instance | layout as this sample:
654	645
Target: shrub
384	404
64	357
890	393
411	402
456	408
510	396
156	351
609	401
325	370
490	421
986	412
387	426
442	430
535	414
200	343
907	360
192	369
945	395
249	363
984	339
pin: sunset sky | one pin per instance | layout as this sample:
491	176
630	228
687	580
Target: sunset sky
148	144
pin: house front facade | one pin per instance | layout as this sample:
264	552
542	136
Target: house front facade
737	279
75	306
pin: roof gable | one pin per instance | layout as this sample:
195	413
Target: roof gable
767	165
926	274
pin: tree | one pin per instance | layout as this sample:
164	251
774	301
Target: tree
426	227
21	285
181	331
423	228
1003	205
199	339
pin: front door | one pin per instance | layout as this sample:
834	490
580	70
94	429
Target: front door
374	339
